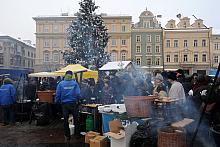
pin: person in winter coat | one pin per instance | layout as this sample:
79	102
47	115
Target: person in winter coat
107	94
7	101
68	94
176	90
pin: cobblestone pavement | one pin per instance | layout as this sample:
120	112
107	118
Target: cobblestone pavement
25	135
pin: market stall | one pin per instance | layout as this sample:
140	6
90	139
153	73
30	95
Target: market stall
79	71
117	65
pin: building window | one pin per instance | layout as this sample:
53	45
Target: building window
168	58
195	43
148	38
215	59
185	58
46	28
123	56
113	28
55	43
138	38
203	43
113	56
138	61
149	61
148	49
157	49
24	62
46	57
32	63
168	44
176	59
1	58
157	38
55	57
11	61
199	25
123	28
113	42
184	24
123	42
32	55
216	47
204	58
29	63
175	43
46	43
28	54
138	49
55	28
171	25
195	58
157	62
185	43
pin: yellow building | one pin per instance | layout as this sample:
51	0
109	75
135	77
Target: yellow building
51	39
187	46
215	50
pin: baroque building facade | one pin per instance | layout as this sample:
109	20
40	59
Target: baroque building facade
51	39
191	47
147	42
187	46
16	56
215	50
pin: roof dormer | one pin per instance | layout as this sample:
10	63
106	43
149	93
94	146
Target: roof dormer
171	24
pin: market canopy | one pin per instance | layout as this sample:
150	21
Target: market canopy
43	74
212	73
116	65
77	69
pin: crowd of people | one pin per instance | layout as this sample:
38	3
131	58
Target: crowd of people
191	91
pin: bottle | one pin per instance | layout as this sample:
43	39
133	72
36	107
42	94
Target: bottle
89	123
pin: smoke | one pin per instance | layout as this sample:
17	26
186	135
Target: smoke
138	82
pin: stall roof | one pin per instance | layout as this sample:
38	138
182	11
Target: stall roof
115	65
213	72
43	74
75	68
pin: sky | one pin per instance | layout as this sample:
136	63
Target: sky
16	15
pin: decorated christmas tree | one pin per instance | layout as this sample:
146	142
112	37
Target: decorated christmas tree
88	37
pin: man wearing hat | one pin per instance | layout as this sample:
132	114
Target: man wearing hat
68	94
7	99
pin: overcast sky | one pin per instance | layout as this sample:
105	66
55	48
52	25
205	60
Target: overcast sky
16	15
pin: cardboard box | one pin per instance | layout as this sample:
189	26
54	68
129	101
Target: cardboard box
123	139
90	135
117	135
115	126
98	141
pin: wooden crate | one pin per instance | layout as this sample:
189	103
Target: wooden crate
46	96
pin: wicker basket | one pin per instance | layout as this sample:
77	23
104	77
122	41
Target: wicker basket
139	106
171	137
